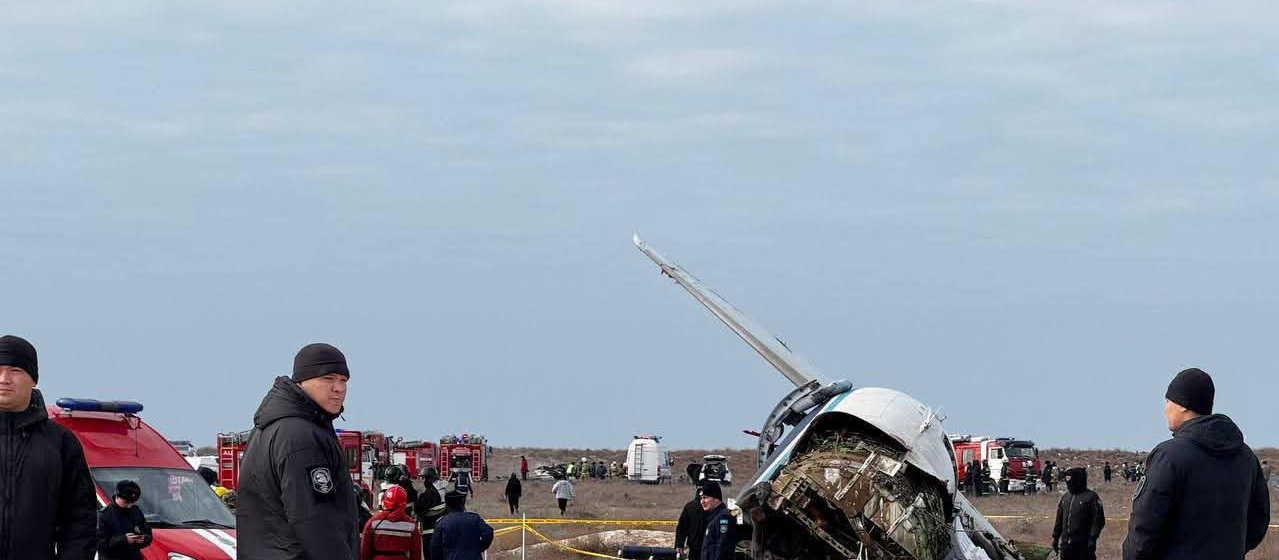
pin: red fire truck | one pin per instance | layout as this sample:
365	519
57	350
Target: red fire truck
414	455
230	452
187	519
1020	456
463	453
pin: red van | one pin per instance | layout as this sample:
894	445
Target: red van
188	521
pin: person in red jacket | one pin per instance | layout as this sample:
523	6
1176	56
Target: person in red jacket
523	468
391	534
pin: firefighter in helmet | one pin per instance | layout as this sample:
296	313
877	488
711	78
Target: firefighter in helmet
391	534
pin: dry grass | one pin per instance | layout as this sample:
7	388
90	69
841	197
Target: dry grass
615	499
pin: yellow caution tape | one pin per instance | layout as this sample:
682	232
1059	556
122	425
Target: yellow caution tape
506	531
648	522
569	548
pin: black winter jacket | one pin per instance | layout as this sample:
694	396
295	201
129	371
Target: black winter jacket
296	500
461	535
430	508
1203	497
47	497
113	524
721	535
691	529
1080	515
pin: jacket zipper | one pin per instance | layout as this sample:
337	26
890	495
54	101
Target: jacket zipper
1070	510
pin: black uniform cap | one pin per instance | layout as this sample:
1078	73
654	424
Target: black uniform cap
129	490
712	490
1193	389
17	352
318	360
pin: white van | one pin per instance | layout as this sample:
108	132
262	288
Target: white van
647	461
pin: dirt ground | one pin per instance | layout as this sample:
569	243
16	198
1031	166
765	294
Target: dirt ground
615	499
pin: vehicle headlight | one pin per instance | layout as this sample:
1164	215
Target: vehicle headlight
176	556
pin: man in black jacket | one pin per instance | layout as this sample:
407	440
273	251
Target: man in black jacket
429	507
721	526
691	529
122	528
47	500
1080	518
295	498
1203	496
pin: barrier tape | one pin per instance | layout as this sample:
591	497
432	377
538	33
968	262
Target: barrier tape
569	548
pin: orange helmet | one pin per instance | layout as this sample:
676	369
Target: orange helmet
394	498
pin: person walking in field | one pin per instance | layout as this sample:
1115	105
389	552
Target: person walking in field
563	491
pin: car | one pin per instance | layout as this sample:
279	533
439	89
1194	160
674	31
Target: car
188	521
715	469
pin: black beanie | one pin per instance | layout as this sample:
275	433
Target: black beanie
1193	389
317	360
129	490
17	352
712	490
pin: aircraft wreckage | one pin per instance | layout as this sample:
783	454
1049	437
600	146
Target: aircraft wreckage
864	474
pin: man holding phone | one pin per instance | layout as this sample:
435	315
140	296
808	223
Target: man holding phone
122	529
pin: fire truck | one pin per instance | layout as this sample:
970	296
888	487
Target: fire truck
468	452
187	519
414	455
1020	456
230	452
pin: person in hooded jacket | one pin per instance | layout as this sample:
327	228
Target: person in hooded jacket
460	535
48	506
429	507
690	531
1203	496
1080	518
513	492
122	528
391	534
296	499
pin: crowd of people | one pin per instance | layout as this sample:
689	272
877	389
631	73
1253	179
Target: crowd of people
1201	494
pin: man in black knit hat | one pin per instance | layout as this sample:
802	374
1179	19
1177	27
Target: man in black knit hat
47	500
1203	496
296	498
721	526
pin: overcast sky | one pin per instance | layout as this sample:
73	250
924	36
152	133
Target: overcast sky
1030	214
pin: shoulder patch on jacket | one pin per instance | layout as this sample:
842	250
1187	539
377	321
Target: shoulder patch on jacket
1141	485
321	481
723	526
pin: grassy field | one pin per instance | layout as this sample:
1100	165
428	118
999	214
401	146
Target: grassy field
613	499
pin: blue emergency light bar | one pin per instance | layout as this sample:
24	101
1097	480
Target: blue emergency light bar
91	405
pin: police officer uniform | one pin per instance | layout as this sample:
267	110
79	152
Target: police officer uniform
296	498
721	527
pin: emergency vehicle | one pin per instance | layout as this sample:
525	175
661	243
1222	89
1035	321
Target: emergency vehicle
188	521
647	460
465	453
352	444
414	455
230	453
1020	456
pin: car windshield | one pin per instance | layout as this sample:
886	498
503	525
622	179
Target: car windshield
170	497
1028	452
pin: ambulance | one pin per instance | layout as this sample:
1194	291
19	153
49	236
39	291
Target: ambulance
188	521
